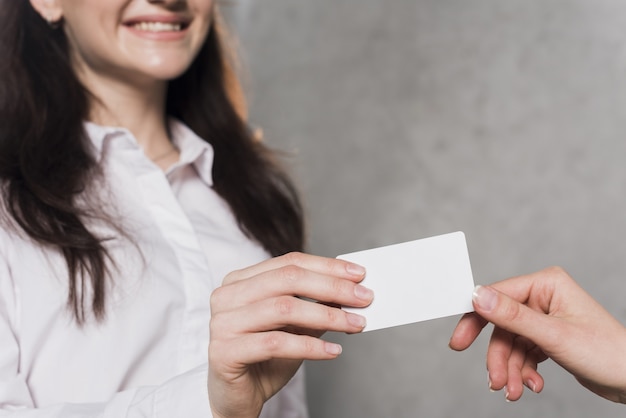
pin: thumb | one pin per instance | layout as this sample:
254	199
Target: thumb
512	316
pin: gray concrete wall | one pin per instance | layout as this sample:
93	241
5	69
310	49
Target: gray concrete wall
411	118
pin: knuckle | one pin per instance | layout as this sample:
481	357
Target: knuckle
216	327
272	341
291	273
310	345
556	277
293	258
332	315
337	287
334	265
557	272
231	277
284	305
215	299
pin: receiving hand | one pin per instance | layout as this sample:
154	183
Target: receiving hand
546	315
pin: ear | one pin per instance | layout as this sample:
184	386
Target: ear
50	10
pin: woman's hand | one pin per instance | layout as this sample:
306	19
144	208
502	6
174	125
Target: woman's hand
546	315
266	320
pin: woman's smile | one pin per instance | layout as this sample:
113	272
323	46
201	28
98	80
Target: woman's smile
136	41
159	27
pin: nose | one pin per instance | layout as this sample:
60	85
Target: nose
169	4
166	2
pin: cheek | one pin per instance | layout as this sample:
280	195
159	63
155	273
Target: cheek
205	9
206	5
91	38
90	50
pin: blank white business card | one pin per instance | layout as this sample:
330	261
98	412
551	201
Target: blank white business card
416	281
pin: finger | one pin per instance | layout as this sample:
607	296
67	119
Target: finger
531	378
518	288
515	317
291	280
322	265
537	288
498	353
517	360
284	311
466	331
258	347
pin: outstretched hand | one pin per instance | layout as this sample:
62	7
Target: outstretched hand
266	321
546	315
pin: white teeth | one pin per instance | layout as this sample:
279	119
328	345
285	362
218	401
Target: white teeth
158	26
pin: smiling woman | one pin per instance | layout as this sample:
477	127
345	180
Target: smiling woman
144	228
141	38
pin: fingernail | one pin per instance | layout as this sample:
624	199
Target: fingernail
490	385
506	394
531	385
355	269
363	292
485	298
332	348
356	320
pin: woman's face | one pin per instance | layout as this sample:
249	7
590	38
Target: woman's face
142	40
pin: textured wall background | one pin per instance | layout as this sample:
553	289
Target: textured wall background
411	118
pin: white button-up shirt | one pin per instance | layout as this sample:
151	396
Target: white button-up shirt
148	358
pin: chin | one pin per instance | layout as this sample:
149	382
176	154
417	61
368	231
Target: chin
165	71
163	74
162	65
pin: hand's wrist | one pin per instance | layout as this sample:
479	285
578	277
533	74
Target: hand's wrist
216	415
239	413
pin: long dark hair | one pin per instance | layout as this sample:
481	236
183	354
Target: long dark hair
46	163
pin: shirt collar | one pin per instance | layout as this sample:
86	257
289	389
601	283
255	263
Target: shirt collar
193	150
